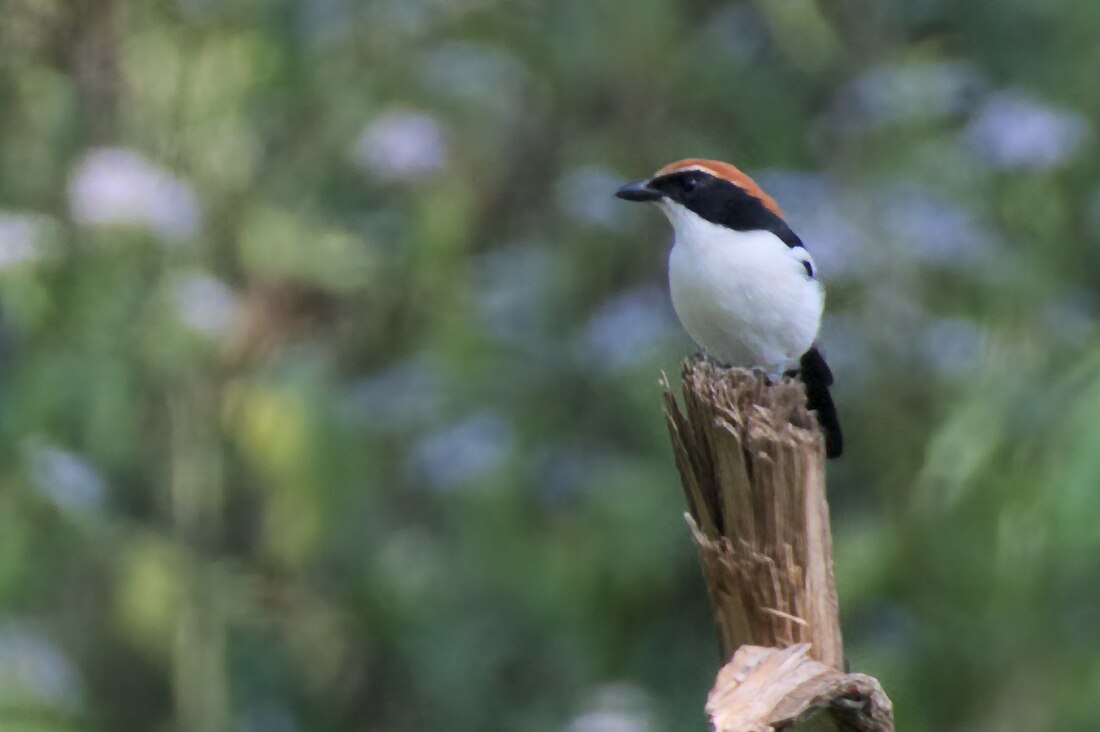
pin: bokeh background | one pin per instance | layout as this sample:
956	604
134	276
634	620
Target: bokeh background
328	362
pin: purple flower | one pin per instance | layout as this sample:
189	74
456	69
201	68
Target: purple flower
34	670
463	452
628	328
933	228
113	186
67	479
408	394
1015	130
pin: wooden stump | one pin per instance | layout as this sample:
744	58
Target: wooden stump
752	466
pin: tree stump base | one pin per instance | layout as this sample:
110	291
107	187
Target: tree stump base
765	689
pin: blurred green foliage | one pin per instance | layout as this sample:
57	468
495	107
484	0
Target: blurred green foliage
328	362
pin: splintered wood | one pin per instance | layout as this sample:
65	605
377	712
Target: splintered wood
764	689
752	465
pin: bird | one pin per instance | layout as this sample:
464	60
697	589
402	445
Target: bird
742	283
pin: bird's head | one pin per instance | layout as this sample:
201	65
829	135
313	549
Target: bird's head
717	192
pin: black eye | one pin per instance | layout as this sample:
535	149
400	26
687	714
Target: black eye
688	185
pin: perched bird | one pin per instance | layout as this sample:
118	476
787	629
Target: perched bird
742	283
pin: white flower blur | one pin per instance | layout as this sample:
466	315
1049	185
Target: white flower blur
513	289
615	708
35	671
952	345
206	305
889	94
738	32
20	238
116	186
585	194
404	146
409	394
480	74
628	329
67	479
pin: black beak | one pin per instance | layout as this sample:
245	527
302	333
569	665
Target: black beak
638	191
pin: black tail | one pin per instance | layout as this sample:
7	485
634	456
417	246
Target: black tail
818	378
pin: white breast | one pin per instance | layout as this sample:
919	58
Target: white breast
745	297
